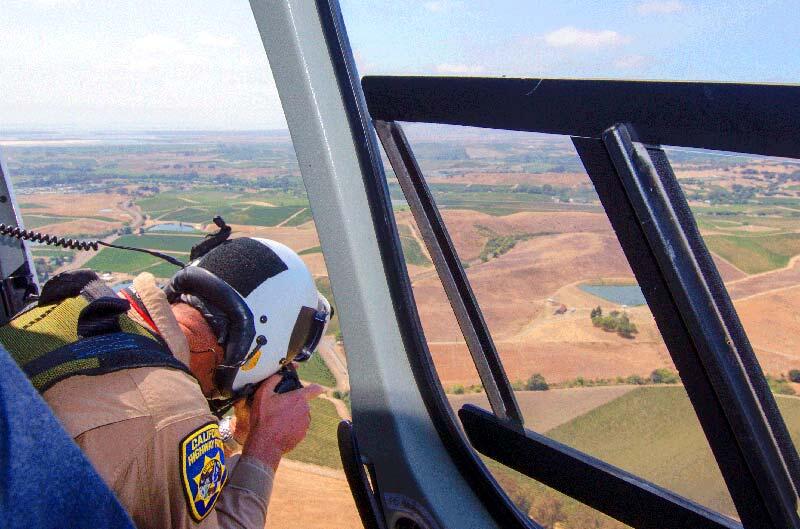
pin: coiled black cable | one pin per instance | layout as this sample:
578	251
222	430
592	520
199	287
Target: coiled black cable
75	244
35	236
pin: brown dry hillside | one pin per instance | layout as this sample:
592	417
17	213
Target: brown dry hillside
772	322
512	289
572	180
556	361
311	497
465	226
545	410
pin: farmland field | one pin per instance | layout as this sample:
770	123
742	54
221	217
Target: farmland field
113	260
319	447
656	436
412	250
756	253
652	432
163	270
308	251
315	371
166	243
300	218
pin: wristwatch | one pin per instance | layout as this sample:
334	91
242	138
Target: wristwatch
226	433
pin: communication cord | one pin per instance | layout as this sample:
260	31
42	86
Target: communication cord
75	244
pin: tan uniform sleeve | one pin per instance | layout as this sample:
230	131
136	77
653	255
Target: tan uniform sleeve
242	503
244	500
142	465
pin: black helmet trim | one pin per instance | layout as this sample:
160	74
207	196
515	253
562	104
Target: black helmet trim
200	282
307	333
244	265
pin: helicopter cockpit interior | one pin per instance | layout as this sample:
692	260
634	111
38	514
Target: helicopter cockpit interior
565	303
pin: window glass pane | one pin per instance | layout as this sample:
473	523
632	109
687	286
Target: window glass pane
576	337
130	128
748	212
617	39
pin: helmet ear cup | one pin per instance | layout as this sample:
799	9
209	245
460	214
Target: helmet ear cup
199	282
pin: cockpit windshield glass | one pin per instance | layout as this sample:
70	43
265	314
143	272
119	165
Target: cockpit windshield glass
619	39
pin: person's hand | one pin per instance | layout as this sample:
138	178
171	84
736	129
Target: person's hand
277	422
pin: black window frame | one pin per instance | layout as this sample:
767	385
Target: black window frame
617	128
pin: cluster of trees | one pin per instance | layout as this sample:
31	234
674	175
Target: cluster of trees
615	321
497	245
545	189
45	266
460	389
658	376
738	194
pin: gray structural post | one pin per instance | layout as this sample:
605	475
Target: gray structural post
392	426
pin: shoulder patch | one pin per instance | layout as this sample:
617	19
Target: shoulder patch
203	469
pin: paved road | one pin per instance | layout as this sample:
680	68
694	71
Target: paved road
335	362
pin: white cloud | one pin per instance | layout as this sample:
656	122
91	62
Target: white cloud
459	69
631	62
572	37
435	7
660	7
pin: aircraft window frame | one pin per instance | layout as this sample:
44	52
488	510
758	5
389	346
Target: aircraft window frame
474	471
651	218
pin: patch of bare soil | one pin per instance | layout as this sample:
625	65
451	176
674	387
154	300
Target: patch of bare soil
554	179
311	497
107	205
512	289
557	361
727	270
296	238
772	323
545	410
86	227
768	281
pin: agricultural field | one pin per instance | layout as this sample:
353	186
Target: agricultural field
309	251
315	371
164	243
113	260
656	435
319	447
756	253
412	249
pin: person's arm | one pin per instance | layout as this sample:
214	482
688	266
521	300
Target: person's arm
272	426
245	498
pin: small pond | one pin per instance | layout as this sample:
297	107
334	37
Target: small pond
172	227
120	286
630	295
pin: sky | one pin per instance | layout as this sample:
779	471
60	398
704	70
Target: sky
200	64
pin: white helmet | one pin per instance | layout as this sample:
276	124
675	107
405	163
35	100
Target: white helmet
261	301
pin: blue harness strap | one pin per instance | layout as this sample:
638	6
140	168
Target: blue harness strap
98	355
